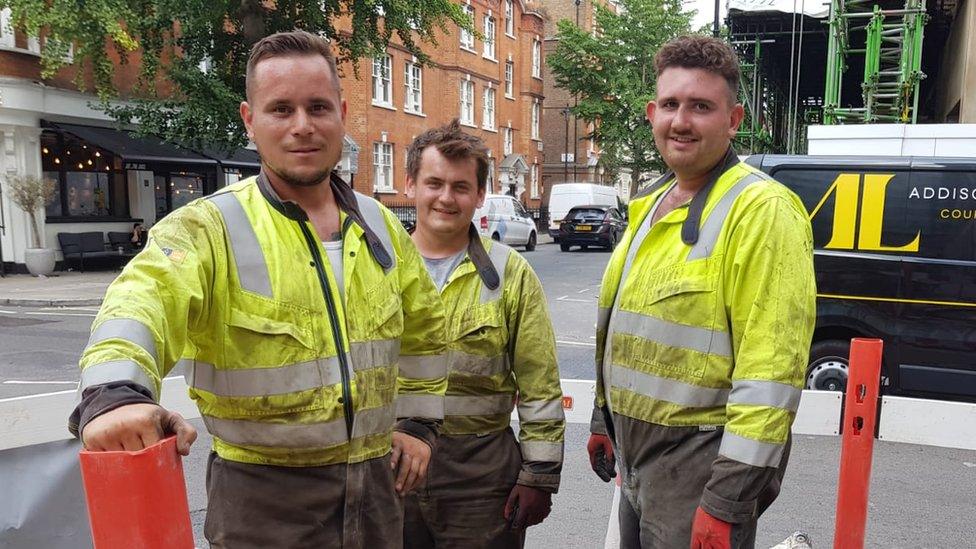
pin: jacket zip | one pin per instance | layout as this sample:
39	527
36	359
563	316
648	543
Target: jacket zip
336	332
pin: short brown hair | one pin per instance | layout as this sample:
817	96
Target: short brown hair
297	42
701	52
451	141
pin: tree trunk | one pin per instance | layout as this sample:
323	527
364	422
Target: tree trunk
36	235
251	14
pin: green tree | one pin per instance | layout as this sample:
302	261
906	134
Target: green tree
612	73
193	53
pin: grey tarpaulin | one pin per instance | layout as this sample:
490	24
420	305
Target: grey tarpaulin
42	502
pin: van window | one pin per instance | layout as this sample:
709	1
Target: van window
519	210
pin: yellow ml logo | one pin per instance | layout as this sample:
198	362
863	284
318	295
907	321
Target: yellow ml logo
847	190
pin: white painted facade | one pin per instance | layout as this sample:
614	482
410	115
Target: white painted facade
958	140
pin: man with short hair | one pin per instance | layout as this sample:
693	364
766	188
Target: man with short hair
294	303
484	487
706	315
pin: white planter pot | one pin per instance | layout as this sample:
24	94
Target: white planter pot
40	261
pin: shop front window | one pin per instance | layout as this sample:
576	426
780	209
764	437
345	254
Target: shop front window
89	182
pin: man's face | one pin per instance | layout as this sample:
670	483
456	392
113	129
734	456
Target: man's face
693	118
446	193
296	117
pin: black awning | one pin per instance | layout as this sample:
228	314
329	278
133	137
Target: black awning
236	158
132	147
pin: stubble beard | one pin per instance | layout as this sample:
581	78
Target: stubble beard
294	180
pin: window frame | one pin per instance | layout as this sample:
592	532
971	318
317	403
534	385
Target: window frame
469	92
536	58
385	63
510	79
510	18
488	109
466	37
413	87
383	150
491	36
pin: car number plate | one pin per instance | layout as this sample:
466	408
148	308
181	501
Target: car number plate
581	228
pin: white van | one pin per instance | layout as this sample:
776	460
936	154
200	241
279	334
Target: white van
564	196
504	219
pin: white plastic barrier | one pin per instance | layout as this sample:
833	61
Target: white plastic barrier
929	422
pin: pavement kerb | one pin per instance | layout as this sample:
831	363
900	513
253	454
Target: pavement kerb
16	302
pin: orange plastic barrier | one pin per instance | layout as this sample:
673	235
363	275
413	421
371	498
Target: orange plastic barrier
137	500
857	446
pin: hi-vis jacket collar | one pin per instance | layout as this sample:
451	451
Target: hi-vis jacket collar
692	223
490	276
346	200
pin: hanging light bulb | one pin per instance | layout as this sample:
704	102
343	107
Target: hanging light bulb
98	154
81	166
89	161
44	150
57	160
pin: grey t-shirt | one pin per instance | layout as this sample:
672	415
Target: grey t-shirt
440	269
333	249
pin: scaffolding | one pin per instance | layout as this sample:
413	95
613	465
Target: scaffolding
890	41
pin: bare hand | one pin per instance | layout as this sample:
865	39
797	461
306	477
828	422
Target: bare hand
136	426
409	459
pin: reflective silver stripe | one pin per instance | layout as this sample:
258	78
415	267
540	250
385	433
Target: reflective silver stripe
252	269
752	452
373	216
457	405
290	378
765	393
498	254
257	382
541	410
635	243
116	370
425	406
673	334
669	390
423	367
373	421
602	318
128	329
372	354
243	432
477	364
708	235
534	450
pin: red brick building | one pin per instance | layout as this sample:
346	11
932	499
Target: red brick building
492	84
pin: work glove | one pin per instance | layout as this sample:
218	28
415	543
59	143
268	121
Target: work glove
708	532
601	456
527	506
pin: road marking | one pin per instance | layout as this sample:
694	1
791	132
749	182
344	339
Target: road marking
566	298
19	382
578	343
583	291
41	313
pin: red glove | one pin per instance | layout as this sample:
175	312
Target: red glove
601	456
527	506
707	532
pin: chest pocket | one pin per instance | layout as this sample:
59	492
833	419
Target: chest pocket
384	318
266	335
677	317
481	330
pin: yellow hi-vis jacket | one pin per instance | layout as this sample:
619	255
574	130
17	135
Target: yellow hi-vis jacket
285	369
501	349
715	333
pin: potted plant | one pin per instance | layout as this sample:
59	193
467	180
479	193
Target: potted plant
31	194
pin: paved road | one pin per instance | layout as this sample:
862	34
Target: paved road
920	496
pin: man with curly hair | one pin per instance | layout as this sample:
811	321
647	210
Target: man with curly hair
706	314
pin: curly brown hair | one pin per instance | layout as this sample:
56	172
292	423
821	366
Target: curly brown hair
451	141
701	52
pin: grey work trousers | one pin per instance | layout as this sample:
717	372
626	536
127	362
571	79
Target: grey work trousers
665	470
348	506
462	504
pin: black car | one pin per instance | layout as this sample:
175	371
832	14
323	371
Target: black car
591	226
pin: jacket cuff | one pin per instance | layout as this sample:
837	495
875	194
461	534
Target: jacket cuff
598	424
425	430
726	509
99	399
542	481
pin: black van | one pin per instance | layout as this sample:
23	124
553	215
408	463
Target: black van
895	255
